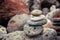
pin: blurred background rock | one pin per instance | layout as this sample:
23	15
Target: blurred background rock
9	8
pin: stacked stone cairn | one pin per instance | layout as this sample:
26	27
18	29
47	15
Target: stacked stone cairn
33	29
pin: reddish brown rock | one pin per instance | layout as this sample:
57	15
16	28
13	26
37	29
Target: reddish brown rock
11	7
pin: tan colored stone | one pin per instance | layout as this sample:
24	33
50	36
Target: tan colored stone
17	22
36	12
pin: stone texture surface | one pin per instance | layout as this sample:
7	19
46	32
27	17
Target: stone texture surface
34	24
39	18
3	31
32	31
48	34
17	35
17	22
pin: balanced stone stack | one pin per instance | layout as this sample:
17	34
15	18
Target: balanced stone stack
17	35
34	25
33	29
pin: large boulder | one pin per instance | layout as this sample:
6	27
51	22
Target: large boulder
17	22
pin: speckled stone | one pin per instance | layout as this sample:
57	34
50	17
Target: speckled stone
32	30
37	18
39	22
3	31
48	34
19	35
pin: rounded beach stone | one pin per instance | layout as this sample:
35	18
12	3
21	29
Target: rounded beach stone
36	12
17	22
32	31
49	34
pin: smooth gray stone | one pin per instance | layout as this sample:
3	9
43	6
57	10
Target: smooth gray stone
37	17
42	22
18	35
49	34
